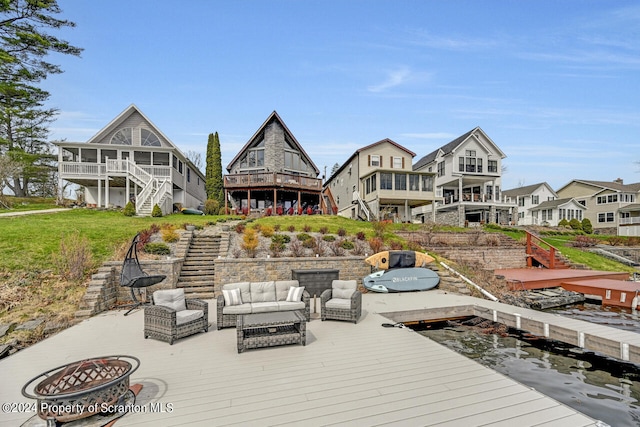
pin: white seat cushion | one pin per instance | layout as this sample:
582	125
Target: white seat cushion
264	307
186	316
171	298
340	303
290	306
237	309
343	288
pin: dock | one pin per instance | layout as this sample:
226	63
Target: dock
611	292
347	374
520	279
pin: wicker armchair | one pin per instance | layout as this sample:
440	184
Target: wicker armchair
342	302
172	317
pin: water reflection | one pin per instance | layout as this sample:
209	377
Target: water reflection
616	317
599	387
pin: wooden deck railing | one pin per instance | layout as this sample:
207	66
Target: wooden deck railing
272	179
541	251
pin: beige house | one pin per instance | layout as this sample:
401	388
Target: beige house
551	212
131	159
527	198
610	206
468	175
377	182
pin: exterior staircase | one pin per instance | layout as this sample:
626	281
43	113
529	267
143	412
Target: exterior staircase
544	254
198	269
155	190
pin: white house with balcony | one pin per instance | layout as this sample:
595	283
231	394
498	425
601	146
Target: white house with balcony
131	159
377	183
468	175
528	198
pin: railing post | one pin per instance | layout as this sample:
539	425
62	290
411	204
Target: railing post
552	257
528	250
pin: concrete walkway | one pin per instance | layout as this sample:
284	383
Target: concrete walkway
42	211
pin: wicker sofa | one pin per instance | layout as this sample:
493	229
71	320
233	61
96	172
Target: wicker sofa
259	297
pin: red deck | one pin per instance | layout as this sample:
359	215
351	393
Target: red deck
613	292
540	278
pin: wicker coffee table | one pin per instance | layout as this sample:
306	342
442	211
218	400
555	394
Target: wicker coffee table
271	329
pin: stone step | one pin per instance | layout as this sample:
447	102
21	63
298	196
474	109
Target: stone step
202	295
195	279
199	289
197	267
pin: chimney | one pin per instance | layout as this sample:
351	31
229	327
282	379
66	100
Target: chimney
618	181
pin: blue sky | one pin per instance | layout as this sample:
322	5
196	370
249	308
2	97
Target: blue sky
555	84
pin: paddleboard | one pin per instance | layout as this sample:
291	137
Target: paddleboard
402	280
387	260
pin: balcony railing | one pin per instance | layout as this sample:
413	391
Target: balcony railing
475	198
630	221
82	169
272	179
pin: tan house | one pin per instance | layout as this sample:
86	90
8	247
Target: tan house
468	175
527	198
551	212
612	207
377	182
131	159
273	175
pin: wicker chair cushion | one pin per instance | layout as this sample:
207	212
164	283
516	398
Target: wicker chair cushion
343	288
171	298
237	309
290	306
295	293
186	316
232	297
264	307
282	288
339	303
245	289
263	292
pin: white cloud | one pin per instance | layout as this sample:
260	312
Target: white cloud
394	78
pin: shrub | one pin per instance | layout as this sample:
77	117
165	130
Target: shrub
239	228
296	248
156	212
250	242
323	230
129	209
169	234
575	224
380	227
360	248
491	240
361	236
329	238
376	244
266	230
395	245
342	232
291	228
211	207
277	227
157	248
347	244
276	248
615	240
74	258
303	237
336	248
280	238
585	242
586	226
306	228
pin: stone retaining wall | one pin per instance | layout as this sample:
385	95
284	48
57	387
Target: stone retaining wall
488	259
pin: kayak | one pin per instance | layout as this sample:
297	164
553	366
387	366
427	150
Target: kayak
190	211
387	260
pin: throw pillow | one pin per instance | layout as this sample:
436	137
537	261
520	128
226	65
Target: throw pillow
295	293
232	297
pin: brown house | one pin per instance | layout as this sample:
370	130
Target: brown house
273	175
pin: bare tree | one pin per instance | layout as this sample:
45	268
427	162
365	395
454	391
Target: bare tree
196	158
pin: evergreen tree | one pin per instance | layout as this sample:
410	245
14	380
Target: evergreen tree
214	184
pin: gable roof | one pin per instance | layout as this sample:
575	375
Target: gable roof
273	117
450	147
120	118
360	150
555	203
606	185
526	190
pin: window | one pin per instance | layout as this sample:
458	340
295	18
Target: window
188	175
373	183
123	137
492	166
582	202
489	192
367	186
414	182
521	201
427	183
401	181
398	163
374	160
470	163
386	181
149	139
535	200
609	198
441	169
605	217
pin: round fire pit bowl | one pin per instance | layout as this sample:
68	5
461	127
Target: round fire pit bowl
83	388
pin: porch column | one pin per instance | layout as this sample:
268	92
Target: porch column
248	201
460	190
299	200
127	190
226	203
99	193
275	201
407	213
106	191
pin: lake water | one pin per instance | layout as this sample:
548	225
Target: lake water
599	387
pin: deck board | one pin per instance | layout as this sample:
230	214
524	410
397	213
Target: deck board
347	374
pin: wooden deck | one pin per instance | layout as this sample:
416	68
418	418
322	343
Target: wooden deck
347	374
540	278
612	292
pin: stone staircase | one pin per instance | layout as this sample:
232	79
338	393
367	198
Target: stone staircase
198	269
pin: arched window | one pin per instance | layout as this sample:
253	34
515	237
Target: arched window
123	137
149	139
